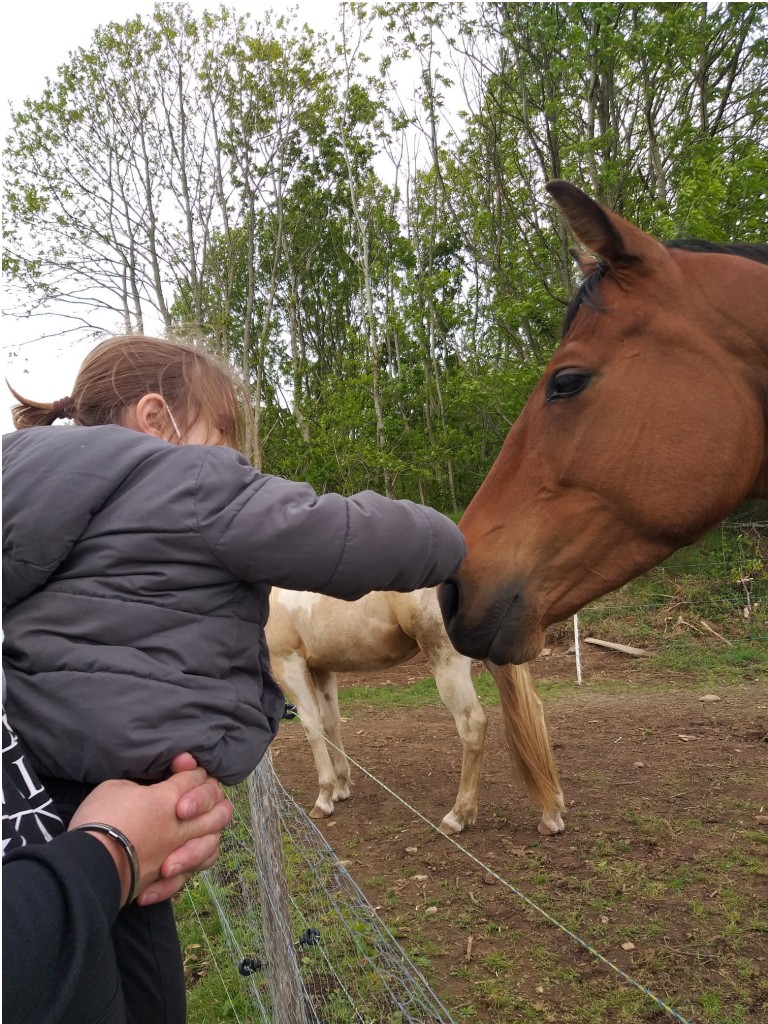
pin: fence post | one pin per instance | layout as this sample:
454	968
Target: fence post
283	975
578	649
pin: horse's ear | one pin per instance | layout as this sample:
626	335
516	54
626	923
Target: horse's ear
615	240
586	264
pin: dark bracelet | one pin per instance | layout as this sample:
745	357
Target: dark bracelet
127	845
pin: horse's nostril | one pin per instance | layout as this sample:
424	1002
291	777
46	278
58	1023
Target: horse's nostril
448	598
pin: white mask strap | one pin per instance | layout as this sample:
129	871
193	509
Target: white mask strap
173	421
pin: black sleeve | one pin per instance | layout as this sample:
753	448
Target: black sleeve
60	900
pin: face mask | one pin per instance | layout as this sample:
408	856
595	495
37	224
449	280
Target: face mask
173	422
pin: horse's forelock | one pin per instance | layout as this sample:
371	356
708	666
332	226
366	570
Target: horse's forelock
587	293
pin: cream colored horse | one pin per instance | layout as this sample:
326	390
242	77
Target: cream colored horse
312	637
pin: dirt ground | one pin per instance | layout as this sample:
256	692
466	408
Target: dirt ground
662	867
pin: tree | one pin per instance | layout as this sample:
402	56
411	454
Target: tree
604	95
385	271
106	174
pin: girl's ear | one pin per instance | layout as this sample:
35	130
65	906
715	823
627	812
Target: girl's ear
150	416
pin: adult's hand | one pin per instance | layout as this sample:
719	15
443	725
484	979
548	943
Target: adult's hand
174	826
196	854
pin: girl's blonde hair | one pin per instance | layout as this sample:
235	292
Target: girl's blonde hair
121	370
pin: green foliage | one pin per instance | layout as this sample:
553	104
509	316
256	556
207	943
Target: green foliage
391	305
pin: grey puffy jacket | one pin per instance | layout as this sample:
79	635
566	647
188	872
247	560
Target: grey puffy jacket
136	578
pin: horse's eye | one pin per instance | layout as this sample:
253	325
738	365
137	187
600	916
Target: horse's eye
566	383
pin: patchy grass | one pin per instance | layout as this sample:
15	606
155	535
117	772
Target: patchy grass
215	992
662	869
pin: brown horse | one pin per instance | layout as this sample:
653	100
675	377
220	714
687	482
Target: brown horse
311	637
648	427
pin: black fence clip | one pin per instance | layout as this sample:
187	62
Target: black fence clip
311	937
249	965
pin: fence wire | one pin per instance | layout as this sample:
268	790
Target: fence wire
351	967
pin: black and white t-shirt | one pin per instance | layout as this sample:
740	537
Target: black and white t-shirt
28	811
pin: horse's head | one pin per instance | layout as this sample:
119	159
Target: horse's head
646	429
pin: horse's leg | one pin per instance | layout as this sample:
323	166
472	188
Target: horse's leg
327	691
453	675
528	741
293	673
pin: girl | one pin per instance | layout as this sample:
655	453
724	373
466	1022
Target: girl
139	550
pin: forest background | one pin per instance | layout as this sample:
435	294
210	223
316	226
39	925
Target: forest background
381	263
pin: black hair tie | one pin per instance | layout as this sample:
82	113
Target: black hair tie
62	408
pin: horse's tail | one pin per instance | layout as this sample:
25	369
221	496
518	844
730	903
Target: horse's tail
527	736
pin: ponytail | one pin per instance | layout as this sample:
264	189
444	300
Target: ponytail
39	414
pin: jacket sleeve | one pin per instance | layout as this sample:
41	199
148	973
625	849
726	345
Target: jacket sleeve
60	900
269	530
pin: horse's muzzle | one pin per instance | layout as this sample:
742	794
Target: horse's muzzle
497	626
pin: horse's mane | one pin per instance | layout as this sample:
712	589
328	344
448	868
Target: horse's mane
587	293
750	250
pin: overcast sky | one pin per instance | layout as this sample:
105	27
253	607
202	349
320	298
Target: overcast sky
36	37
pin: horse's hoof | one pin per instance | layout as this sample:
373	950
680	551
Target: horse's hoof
321	811
451	825
551	824
341	794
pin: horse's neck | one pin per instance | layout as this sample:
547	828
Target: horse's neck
744	308
748	313
760	369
